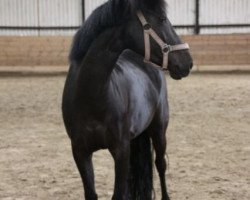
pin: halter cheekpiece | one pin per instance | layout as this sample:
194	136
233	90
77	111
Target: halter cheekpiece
166	48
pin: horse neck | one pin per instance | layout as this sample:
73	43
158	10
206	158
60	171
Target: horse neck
99	62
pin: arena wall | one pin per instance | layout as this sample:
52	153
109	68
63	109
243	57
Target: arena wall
53	50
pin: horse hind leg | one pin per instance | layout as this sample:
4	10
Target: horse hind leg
159	143
85	167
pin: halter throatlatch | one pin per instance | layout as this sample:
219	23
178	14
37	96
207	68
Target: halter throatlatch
166	49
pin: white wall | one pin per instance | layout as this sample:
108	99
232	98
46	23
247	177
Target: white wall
212	12
181	12
69	13
40	13
225	12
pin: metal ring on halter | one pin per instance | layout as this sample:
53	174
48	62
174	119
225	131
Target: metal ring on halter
166	48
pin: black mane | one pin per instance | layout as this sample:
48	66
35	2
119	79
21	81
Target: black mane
107	15
110	14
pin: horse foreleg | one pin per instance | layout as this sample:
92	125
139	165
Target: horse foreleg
85	167
159	143
121	156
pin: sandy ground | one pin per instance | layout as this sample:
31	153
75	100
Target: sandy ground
208	141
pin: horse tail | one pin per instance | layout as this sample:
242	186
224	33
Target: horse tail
141	173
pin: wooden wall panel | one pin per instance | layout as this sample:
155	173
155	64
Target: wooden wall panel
51	50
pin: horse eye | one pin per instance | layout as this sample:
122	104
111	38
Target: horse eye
163	19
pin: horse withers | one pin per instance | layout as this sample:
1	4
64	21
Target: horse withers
115	97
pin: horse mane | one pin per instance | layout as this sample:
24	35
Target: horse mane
110	14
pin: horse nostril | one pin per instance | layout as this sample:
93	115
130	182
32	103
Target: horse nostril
185	73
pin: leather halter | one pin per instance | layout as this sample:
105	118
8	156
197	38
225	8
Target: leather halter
166	49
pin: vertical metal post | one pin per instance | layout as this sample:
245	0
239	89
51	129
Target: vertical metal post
197	17
38	17
83	11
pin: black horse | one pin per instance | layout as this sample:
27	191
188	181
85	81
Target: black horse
113	100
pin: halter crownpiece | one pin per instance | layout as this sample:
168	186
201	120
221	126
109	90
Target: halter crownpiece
166	48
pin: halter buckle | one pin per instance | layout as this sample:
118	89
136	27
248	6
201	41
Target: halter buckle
146	26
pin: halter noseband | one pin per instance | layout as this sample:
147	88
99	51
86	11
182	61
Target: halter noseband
166	49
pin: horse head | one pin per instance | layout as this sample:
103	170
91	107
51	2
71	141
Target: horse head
179	62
